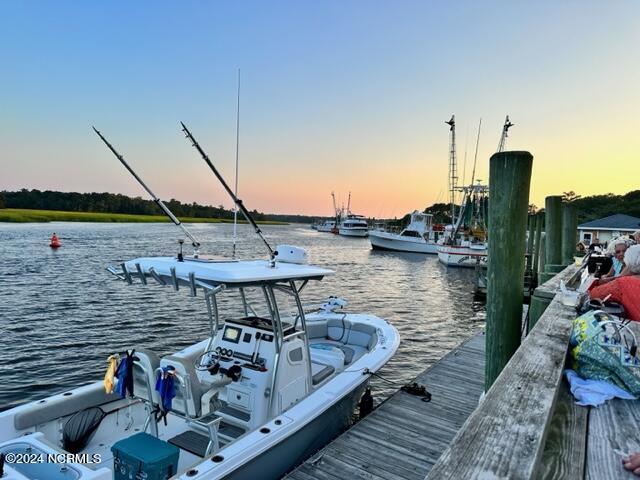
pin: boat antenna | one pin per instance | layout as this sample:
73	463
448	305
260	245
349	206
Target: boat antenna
453	174
235	206
475	157
160	203
503	138
236	200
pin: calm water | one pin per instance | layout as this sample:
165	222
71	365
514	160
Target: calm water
62	314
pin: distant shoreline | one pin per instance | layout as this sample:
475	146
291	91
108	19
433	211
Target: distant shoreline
23	215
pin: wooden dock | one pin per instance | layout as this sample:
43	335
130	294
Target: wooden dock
404	436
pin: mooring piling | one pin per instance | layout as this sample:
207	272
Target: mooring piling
536	244
553	237
569	232
509	182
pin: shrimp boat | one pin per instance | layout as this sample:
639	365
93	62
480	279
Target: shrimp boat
465	245
420	236
270	383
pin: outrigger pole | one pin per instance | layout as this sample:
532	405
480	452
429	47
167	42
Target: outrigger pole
235	199
503	137
160	203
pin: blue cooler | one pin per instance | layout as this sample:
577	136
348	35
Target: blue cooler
143	456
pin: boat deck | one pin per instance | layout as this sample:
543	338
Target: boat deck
404	436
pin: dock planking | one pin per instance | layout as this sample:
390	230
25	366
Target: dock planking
404	436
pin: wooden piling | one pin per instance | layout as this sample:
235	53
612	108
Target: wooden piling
509	181
569	233
530	236
553	230
536	243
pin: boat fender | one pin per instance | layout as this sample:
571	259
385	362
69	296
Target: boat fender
366	403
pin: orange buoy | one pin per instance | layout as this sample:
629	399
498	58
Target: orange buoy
55	243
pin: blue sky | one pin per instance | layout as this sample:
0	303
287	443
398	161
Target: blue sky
344	96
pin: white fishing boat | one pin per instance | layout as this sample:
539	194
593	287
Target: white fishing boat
262	391
418	237
269	384
327	226
354	226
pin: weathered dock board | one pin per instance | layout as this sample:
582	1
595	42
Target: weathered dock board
404	436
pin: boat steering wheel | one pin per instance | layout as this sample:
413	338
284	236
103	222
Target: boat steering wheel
212	355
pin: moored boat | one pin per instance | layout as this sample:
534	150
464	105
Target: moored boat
354	226
419	236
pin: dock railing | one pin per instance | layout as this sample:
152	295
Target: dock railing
505	436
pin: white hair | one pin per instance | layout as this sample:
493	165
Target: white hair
611	249
632	259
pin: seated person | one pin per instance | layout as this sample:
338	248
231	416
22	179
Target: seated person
618	248
636	237
595	245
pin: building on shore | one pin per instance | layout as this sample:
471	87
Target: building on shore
604	229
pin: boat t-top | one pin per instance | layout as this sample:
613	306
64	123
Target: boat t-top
270	383
420	236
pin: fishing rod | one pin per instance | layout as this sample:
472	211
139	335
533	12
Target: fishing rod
160	203
235	209
236	200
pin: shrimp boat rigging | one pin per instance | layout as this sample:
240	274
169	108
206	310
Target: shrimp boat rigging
465	245
270	383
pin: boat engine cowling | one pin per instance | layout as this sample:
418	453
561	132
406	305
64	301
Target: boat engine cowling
291	254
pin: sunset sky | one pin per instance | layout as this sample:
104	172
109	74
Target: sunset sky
336	95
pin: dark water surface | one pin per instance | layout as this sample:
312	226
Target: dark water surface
62	314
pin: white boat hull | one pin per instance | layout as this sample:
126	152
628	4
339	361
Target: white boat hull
269	451
454	256
354	232
398	243
325	228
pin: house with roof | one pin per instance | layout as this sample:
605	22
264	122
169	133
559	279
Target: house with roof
604	229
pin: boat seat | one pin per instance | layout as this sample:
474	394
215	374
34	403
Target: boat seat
188	395
361	335
144	376
320	372
338	329
317	330
348	353
44	411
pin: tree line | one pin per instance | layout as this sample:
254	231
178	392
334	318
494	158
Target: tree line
588	208
117	203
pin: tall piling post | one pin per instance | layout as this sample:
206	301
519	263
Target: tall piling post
553	237
536	243
569	233
530	234
509	181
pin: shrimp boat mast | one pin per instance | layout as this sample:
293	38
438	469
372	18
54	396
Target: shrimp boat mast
466	244
270	383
